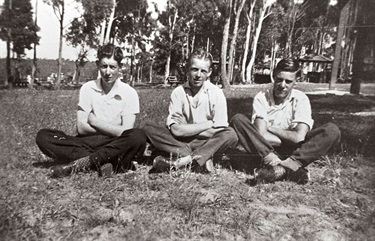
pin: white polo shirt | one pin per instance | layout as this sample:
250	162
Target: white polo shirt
296	109
208	104
120	101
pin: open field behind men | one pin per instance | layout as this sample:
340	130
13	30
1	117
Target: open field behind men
338	203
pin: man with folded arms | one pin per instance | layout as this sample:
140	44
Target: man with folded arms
280	130
107	140
197	124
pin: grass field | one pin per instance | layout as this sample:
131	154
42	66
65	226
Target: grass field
338	203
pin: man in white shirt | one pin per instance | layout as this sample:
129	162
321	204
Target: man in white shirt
106	115
280	130
197	124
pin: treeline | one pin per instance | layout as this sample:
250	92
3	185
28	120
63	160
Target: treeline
45	67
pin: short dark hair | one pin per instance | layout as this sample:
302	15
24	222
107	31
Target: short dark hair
200	54
287	65
109	50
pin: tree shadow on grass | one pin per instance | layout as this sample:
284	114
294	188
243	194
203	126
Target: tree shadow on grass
357	130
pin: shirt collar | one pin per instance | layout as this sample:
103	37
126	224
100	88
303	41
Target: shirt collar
114	90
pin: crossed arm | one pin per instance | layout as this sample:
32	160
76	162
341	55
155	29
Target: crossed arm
182	129
89	124
276	136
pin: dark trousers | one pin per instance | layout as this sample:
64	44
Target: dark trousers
119	151
164	140
317	142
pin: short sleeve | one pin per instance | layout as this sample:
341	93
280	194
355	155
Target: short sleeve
302	112
132	103
175	105
220	118
259	107
84	102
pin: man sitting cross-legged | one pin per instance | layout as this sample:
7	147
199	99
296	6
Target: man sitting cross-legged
281	127
106	115
197	124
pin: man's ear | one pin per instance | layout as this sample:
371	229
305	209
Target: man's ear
209	73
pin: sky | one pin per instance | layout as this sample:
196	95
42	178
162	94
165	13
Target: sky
48	47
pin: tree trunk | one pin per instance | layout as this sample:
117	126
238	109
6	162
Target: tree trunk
9	77
275	48
320	44
102	34
152	63
110	21
340	34
172	22
224	48
34	68
186	52
140	73
58	82
247	41
167	66
358	57
193	39
359	49
255	42
132	53
232	47
292	18
77	74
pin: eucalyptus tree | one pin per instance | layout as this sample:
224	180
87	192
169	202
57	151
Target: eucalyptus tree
134	26
264	12
227	9
314	26
274	35
85	31
88	30
250	22
164	38
186	25
18	29
124	22
288	27
237	9
58	7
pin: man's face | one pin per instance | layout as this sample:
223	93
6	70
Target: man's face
283	84
109	70
199	71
